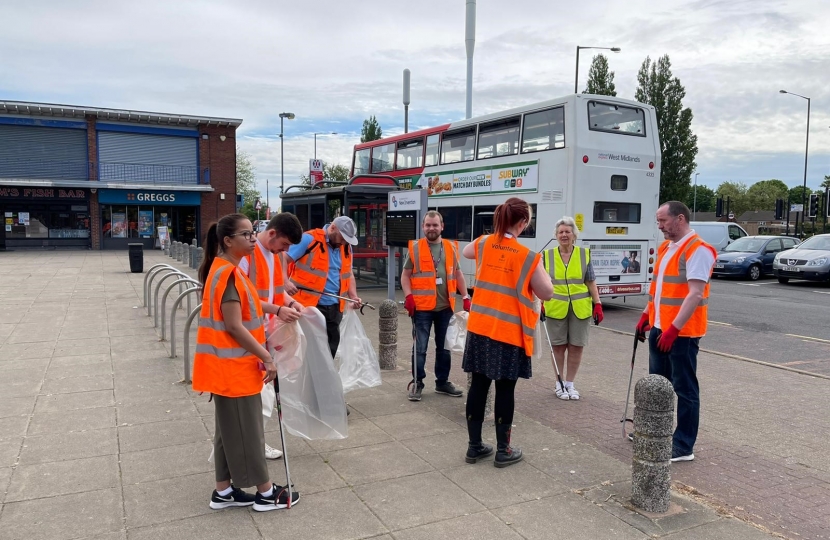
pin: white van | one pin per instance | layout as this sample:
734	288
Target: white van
718	234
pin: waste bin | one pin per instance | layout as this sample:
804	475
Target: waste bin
136	258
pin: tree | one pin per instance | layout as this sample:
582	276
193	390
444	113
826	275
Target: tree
705	199
762	195
826	183
246	184
600	80
657	87
736	192
795	195
371	130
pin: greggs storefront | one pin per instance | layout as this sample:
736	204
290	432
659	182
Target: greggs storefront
130	216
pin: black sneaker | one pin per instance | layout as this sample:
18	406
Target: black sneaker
237	497
277	501
679	456
448	389
415	390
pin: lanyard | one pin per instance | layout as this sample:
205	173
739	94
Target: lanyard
440	256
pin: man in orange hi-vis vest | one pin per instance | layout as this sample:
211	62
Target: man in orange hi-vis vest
676	315
264	268
431	276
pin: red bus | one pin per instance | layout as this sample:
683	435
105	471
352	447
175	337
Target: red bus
403	156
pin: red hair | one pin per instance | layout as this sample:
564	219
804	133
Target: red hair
509	213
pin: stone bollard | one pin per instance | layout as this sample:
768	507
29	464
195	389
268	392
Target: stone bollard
388	338
192	258
179	251
173	249
653	417
186	254
199	252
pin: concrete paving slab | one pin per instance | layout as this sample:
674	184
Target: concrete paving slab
71	445
21	382
33	333
71	421
23	351
171	499
13	426
334	515
63	477
469	527
375	463
722	529
309	474
157	411
362	432
297	446
66	517
60	362
10	450
419	423
443	451
580	465
16	406
161	434
79	400
495	488
134	394
373	406
79	383
57	371
5	477
221	525
82	347
167	462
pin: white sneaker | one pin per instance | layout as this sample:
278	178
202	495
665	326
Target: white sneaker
272	453
562	393
572	393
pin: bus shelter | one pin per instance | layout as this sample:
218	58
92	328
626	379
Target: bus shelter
364	198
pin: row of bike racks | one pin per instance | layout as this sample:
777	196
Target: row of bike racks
187	285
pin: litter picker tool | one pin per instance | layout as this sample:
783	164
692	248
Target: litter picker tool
288	484
552	354
637	337
346	298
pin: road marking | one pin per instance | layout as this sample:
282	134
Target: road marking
721	323
756	284
810	338
822	292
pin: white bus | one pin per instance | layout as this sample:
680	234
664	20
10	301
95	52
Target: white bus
596	158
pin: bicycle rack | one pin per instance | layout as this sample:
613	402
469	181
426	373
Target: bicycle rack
173	317
187	342
151	274
184	281
156	294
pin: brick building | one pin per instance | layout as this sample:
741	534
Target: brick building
96	178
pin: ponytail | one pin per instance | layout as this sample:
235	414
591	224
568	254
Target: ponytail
211	251
508	214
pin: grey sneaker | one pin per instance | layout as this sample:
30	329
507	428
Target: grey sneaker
415	390
449	389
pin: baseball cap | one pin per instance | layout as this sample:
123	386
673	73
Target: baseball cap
347	228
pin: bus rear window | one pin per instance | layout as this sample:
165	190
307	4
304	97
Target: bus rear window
544	130
410	154
361	161
458	146
616	212
618	119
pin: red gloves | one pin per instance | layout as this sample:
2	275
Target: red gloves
642	327
409	304
468	303
666	339
598	314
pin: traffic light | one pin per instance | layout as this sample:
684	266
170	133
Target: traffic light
827	202
813	206
719	207
779	208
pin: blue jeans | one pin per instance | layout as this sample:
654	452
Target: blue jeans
423	320
679	366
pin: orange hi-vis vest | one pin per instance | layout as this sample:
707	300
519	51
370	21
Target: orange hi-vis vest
258	274
222	366
310	270
424	274
503	301
675	287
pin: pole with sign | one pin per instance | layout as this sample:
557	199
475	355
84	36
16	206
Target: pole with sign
315	171
257	207
403	223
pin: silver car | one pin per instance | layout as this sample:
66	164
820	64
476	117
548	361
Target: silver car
810	260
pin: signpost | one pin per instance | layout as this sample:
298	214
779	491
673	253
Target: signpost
315	171
403	223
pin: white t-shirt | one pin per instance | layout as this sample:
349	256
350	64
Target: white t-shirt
269	258
698	266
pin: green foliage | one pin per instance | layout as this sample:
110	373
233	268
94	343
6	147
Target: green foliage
658	88
600	79
795	195
371	130
826	183
246	184
331	173
762	195
705	199
736	192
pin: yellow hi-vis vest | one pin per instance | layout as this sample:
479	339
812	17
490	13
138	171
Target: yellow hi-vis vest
568	284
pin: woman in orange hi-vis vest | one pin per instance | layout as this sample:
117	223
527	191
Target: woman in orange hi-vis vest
501	325
232	363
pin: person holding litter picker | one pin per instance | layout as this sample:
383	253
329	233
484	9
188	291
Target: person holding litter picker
568	313
676	317
431	276
232	364
501	325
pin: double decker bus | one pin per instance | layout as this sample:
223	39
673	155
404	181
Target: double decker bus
595	158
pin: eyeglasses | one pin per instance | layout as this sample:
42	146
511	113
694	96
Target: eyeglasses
247	234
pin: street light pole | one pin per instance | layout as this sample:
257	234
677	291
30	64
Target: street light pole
806	151
290	116
576	77
315	140
694	211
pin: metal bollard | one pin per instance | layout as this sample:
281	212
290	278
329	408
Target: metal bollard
388	334
653	417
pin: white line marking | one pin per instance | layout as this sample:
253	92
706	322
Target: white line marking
808	338
757	284
721	323
822	292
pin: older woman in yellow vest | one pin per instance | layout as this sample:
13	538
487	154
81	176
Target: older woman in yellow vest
569	312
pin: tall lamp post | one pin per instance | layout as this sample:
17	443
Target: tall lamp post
283	116
576	77
694	204
806	150
315	140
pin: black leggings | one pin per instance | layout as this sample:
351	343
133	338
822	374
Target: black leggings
477	399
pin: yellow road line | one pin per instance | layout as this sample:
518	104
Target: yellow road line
809	338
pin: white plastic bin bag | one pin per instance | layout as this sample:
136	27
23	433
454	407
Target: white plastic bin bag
356	358
457	332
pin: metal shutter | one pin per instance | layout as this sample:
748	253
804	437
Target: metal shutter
147	158
34	152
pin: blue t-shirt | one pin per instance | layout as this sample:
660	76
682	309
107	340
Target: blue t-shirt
333	279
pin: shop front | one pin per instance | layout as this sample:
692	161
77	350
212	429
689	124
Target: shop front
131	216
44	217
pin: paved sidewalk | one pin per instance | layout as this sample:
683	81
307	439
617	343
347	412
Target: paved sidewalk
98	438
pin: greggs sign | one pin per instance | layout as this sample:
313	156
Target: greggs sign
149	197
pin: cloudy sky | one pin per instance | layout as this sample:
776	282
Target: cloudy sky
333	63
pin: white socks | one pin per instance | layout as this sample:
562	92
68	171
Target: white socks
269	492
225	492
569	384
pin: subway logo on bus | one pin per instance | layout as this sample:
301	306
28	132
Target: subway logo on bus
513	177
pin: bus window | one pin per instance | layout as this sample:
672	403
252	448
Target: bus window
619	182
432	151
458	146
458	222
361	161
544	130
616	212
499	138
617	119
410	154
483	223
383	158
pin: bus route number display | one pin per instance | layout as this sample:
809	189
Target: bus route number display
401	227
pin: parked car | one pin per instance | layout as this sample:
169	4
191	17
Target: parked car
751	256
809	260
717	233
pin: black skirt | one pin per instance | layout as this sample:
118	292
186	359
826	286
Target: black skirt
494	359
